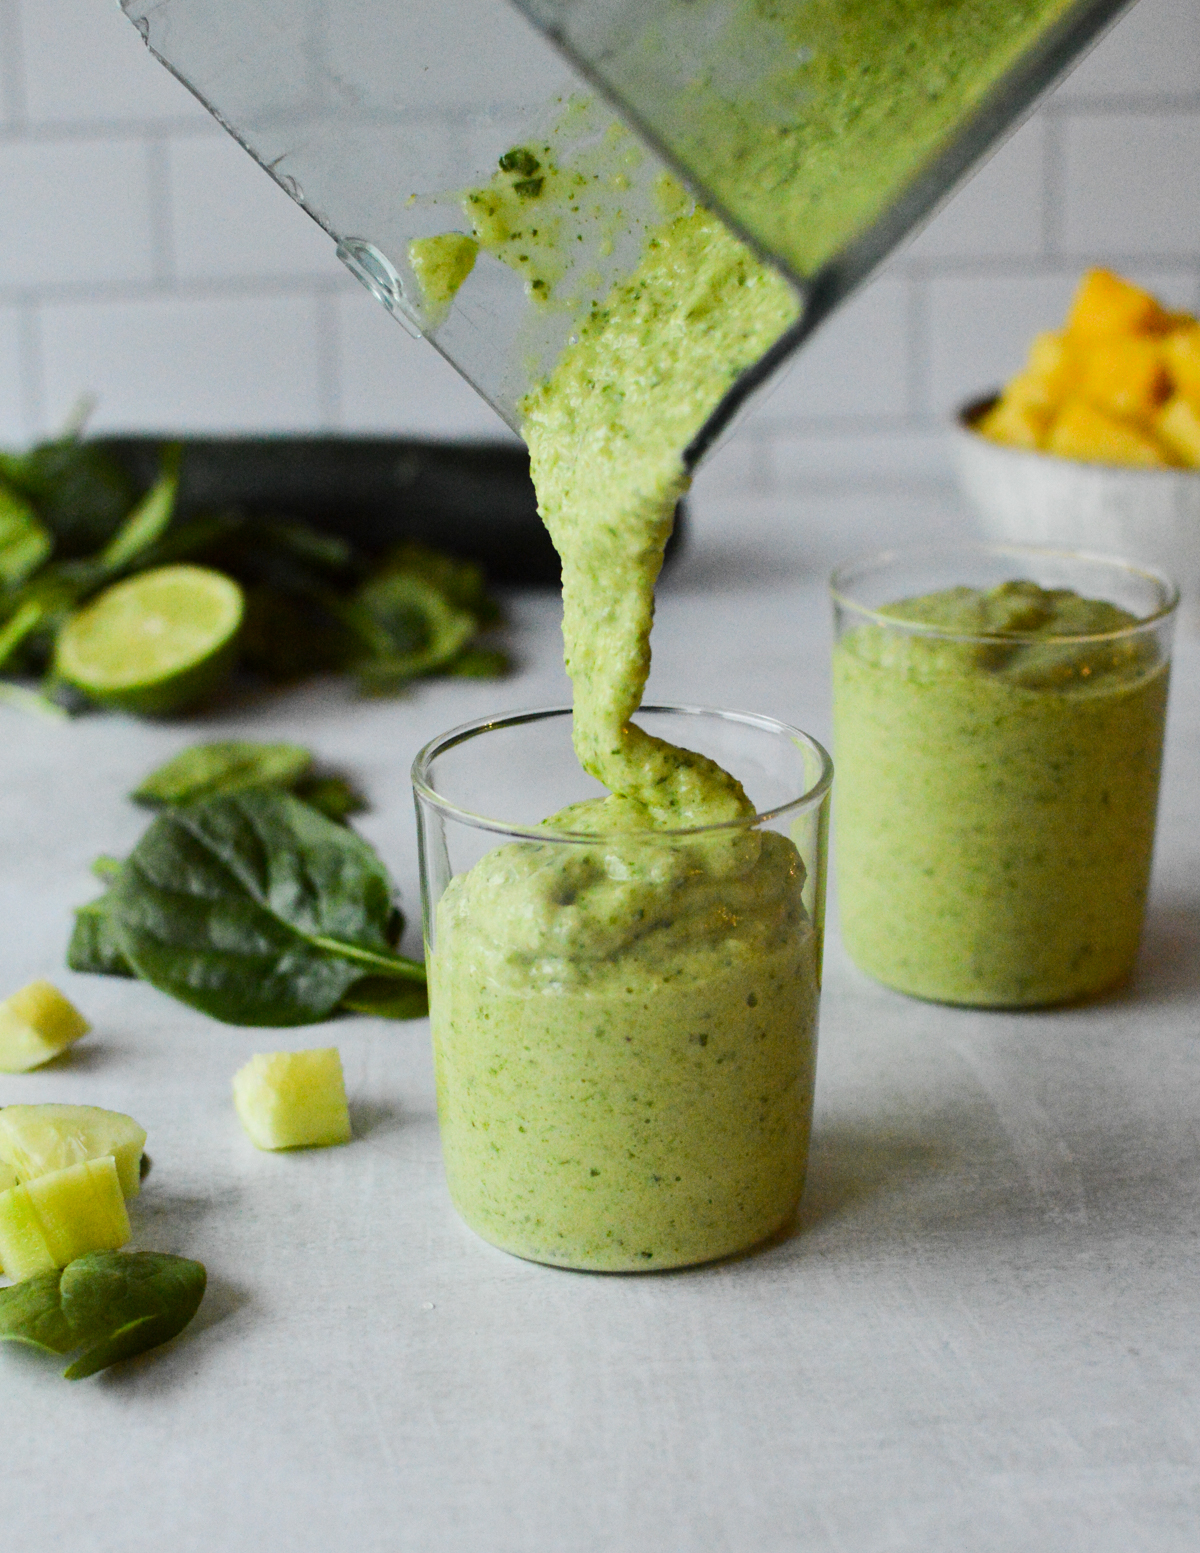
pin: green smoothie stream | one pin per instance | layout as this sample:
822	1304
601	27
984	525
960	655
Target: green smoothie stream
625	1031
996	798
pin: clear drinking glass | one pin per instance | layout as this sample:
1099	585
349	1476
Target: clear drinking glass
625	1022
998	769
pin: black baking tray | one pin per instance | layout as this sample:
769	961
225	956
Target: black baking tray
472	500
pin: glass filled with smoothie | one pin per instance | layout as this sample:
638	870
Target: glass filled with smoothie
624	1016
998	727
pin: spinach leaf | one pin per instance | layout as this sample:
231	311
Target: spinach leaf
148	521
110	1304
94	948
407	629
481	663
387	999
20	625
460	583
255	909
240	765
228	766
79	491
40	607
334	796
24	542
120	1303
31	1313
193	539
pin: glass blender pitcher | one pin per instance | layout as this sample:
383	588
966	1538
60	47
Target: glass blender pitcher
821	131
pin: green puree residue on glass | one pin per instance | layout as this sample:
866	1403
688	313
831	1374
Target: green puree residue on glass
996	798
807	120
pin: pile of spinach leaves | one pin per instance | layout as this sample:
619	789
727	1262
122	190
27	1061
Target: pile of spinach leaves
71	523
249	897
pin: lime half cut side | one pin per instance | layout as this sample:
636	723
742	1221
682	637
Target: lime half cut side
155	643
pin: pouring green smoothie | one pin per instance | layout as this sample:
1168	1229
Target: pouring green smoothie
625	1032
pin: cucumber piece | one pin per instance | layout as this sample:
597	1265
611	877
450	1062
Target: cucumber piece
291	1100
23	1248
36	1024
49	1221
37	1139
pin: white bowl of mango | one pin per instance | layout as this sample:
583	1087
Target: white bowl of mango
1095	444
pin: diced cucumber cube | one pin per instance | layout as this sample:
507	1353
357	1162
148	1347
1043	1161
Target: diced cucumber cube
49	1221
23	1248
36	1024
291	1100
36	1139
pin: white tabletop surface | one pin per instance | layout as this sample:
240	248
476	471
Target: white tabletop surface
982	1336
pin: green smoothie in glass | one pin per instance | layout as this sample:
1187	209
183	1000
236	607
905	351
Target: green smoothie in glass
998	753
625	1038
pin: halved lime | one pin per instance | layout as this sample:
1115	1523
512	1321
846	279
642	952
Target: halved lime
155	643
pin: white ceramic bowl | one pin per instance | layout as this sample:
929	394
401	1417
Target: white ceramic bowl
1150	515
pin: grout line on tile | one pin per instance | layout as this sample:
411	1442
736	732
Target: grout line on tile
12	69
234	288
1044	267
162	224
916	391
1128	105
1053	187
98	131
329	380
33	389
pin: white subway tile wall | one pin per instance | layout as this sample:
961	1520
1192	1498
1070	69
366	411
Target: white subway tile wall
145	260
200	363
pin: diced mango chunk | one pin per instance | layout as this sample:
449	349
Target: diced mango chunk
1181	351
1106	304
1034	393
38	1139
1014	424
1082	431
289	1100
1178	427
36	1024
48	1222
1125	375
1052	364
1120	384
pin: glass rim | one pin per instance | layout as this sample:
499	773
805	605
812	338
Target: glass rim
844	573
444	742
